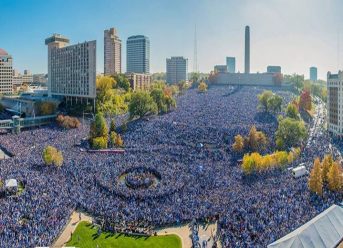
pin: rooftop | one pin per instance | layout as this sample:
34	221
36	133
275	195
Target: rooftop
56	38
335	76
3	52
137	37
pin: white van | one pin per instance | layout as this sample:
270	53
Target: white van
299	171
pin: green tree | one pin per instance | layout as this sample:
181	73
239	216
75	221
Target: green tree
142	104
158	85
324	94
122	82
163	99
98	135
103	85
158	97
290	133
48	155
195	76
274	103
111	99
170	102
99	143
296	80
98	127
263	99
292	112
158	76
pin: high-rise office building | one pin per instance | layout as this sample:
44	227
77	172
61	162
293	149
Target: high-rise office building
335	103
313	74
177	69
231	64
273	69
138	54
6	73
71	69
247	50
112	52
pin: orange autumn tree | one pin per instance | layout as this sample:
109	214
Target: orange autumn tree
326	165
315	182
335	181
238	146
256	141
305	101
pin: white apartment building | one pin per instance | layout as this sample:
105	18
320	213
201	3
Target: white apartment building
138	54
27	77
6	73
17	79
112	52
20	79
335	103
139	81
71	69
177	69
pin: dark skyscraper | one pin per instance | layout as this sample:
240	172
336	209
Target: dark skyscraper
138	54
247	50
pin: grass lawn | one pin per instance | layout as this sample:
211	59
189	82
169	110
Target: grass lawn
86	236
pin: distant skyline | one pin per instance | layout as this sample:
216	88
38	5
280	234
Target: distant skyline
291	33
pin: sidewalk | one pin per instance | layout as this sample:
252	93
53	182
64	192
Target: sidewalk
70	228
183	232
206	232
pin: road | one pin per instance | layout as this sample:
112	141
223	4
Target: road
319	141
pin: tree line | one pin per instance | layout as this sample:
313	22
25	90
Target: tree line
256	162
289	136
325	174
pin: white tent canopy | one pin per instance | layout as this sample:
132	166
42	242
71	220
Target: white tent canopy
325	230
11	183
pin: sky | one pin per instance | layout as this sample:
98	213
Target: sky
294	34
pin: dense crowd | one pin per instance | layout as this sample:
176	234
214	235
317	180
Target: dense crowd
189	148
141	178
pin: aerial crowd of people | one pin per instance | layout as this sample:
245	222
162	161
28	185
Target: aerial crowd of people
188	151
